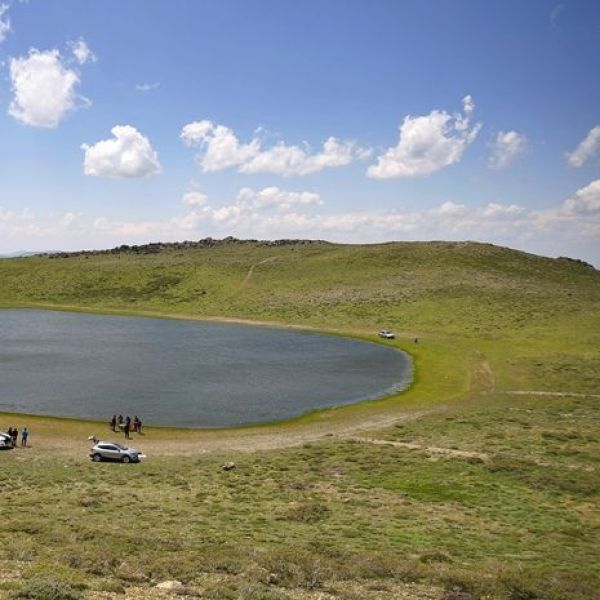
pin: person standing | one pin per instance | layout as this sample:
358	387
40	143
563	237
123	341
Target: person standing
126	427
113	423
24	436
15	435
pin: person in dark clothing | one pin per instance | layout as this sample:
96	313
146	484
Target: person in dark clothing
15	435
24	436
113	423
126	429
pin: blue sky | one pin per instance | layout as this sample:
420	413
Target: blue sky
353	121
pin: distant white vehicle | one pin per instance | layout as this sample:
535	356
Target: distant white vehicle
5	441
386	334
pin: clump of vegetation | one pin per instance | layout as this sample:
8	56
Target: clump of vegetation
48	588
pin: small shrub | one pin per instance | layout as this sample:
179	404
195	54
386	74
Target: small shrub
306	512
48	588
435	556
111	585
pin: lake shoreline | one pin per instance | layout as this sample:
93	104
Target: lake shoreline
398	389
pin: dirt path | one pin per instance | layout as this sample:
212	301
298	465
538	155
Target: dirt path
483	380
452	452
251	270
67	439
556	394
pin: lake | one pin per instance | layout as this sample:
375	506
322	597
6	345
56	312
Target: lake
183	373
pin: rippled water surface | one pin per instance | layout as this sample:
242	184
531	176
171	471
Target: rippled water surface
182	373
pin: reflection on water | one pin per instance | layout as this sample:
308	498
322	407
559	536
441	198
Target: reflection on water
182	373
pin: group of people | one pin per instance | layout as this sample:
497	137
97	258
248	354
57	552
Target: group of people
13	432
126	424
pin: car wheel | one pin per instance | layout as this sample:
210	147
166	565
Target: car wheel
97	458
126	459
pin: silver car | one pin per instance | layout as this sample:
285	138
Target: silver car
113	451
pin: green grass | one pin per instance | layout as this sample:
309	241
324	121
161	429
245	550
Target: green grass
349	517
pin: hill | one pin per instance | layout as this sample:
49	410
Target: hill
483	476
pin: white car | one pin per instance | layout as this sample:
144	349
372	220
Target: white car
116	452
386	334
5	441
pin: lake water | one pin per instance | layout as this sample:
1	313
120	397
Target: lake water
182	373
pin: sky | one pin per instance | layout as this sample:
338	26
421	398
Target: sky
127	122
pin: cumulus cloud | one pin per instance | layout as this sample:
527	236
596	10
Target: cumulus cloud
4	22
292	160
251	206
586	148
222	149
127	155
585	200
44	88
427	144
273	197
194	198
274	212
81	51
505	148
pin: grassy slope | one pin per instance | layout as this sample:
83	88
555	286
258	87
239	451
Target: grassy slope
489	320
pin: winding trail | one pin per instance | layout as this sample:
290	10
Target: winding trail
248	277
555	394
452	452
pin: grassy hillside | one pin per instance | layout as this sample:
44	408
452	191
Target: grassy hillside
491	491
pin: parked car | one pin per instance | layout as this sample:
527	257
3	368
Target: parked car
386	334
113	451
5	441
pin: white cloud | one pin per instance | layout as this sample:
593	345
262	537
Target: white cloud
497	210
194	198
571	228
222	150
273	197
427	144
506	147
294	160
221	145
251	206
586	148
127	155
81	51
147	87
450	208
44	88
4	22
585	200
